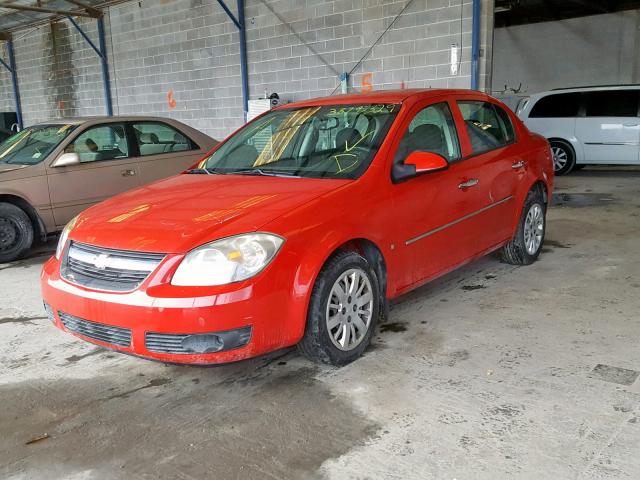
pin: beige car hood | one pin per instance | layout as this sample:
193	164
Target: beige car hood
15	172
7	167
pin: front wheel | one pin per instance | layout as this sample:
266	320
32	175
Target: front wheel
524	248
16	232
342	312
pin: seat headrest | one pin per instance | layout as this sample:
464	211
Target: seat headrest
148	138
428	138
346	135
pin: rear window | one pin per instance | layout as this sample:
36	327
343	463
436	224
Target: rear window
612	103
558	105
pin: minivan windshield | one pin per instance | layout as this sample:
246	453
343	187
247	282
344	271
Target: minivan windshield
335	141
33	144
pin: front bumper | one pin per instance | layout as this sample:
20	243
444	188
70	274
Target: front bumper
180	324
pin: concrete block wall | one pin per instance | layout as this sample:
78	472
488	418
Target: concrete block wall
180	58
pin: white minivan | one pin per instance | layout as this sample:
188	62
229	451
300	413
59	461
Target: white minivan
586	125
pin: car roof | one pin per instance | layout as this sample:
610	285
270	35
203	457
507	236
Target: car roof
380	96
590	88
103	118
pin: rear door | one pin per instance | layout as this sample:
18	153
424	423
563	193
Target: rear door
106	168
610	127
497	162
162	150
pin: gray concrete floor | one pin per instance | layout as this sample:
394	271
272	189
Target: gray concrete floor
493	372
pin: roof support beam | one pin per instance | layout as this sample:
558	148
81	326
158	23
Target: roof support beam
11	66
27	8
239	22
101	51
94	12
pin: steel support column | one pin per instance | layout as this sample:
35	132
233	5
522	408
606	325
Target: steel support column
475	45
240	24
11	67
101	51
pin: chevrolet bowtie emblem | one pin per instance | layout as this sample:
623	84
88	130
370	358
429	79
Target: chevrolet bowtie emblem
101	261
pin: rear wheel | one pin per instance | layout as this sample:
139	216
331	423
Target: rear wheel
564	158
16	232
343	310
525	246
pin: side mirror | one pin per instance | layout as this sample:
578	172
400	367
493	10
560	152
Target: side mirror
418	163
67	159
426	162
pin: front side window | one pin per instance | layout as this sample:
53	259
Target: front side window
558	105
103	142
155	138
485	129
431	130
612	103
336	141
33	144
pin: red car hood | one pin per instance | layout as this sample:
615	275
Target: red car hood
180	213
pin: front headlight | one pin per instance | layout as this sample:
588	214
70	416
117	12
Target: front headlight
64	236
228	260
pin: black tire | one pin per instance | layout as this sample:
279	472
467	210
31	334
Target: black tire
16	232
565	150
316	344
515	252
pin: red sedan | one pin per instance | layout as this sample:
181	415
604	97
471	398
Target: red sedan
301	226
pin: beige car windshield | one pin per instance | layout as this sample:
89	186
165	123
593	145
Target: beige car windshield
33	144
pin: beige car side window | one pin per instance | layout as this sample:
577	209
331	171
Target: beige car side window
103	142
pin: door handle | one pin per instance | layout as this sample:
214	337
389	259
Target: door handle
128	173
518	164
629	124
468	184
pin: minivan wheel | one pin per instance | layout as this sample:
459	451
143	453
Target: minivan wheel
525	246
16	232
343	310
564	158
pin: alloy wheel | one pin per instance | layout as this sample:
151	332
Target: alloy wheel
533	228
560	158
349	309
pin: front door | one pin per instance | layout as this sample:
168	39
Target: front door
106	168
610	128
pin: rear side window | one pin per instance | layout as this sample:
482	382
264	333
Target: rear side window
155	138
485	128
612	103
559	105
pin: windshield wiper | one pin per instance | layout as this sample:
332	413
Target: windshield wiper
201	171
262	173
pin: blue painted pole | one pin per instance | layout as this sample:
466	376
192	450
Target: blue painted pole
106	82
14	80
243	59
475	45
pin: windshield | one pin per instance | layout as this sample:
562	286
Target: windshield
33	144
337	141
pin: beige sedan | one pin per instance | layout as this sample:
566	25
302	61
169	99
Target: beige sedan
52	171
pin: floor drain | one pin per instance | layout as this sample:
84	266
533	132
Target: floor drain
622	376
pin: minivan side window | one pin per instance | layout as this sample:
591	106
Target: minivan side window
485	129
558	105
155	138
612	103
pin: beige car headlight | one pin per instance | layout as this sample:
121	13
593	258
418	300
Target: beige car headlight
228	260
64	236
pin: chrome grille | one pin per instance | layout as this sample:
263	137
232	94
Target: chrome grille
106	268
174	343
98	331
